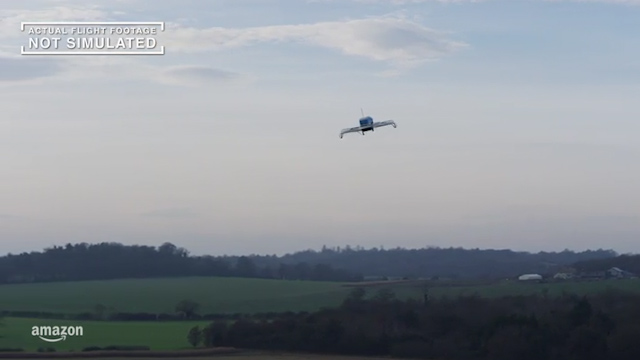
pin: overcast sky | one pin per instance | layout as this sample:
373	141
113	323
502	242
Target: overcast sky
518	126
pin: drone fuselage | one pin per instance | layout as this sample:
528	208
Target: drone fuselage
366	124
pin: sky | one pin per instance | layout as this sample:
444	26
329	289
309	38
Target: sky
517	127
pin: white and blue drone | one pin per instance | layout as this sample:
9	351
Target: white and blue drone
367	124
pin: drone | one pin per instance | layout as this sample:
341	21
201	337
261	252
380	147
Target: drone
367	124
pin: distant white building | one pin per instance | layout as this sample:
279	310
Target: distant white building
619	273
529	277
563	276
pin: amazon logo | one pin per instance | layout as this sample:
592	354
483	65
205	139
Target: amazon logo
54	334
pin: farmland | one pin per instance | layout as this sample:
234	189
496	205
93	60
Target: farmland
241	295
216	295
156	335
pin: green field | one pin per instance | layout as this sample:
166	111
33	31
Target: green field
157	335
239	295
216	295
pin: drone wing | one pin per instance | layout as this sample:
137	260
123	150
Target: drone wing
350	130
385	123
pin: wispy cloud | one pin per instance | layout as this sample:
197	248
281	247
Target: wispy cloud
117	68
16	69
392	39
407	2
397	2
196	75
625	2
395	40
10	19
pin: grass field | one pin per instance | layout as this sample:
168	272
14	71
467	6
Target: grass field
157	335
236	295
217	295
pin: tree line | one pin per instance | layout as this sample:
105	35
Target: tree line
114	261
568	327
457	263
105	261
628	262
